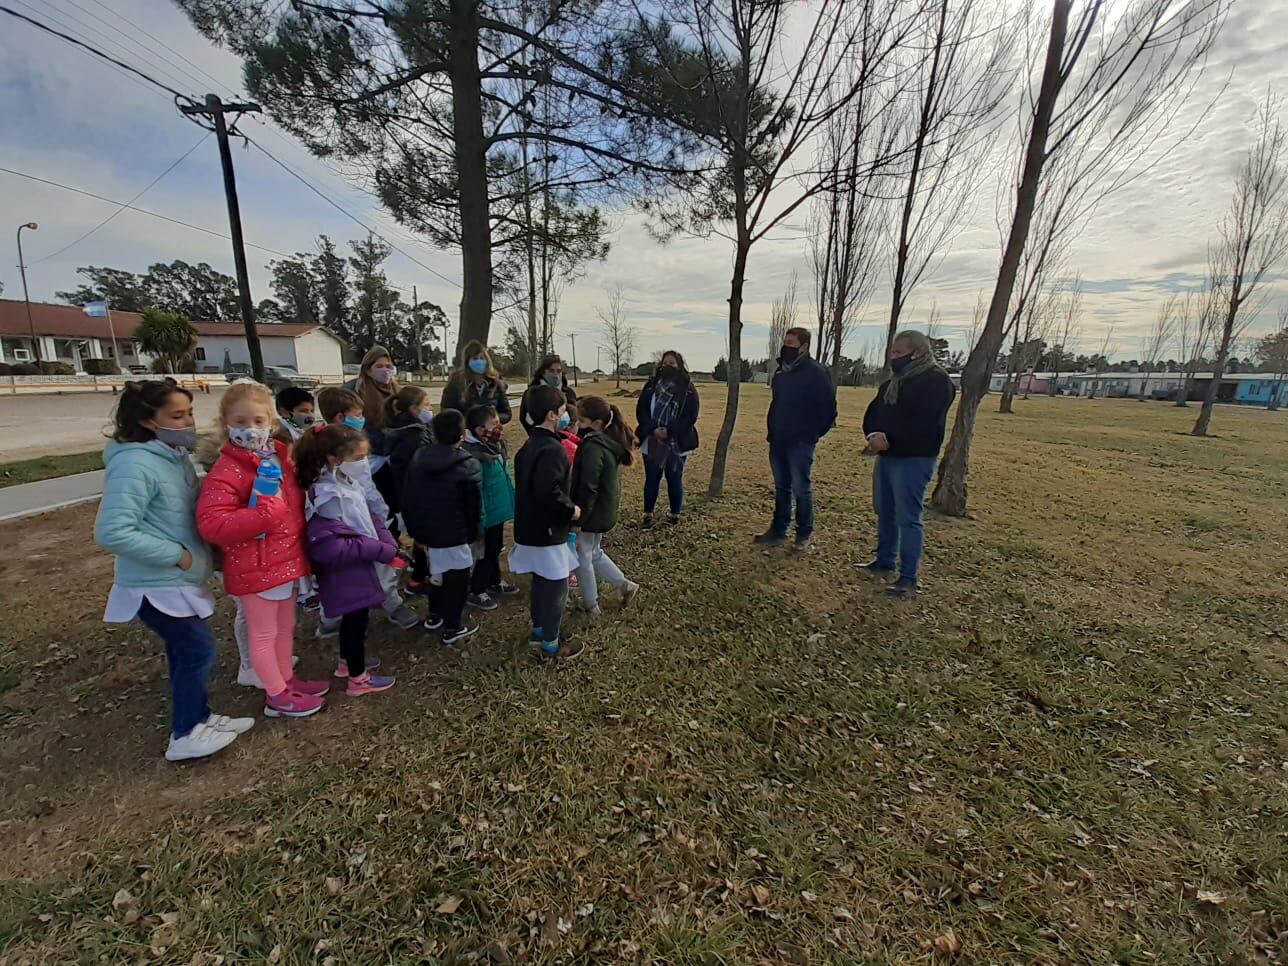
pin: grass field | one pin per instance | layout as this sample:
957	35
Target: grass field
1071	749
48	467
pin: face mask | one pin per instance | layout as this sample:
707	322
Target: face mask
552	379
425	416
355	422
478	366
303	420
670	373
178	438
353	469
490	434
383	376
564	420
788	354
899	365
583	430
249	437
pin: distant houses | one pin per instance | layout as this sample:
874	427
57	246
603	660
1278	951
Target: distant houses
1244	388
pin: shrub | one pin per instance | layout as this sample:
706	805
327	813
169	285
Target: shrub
5	369
57	369
26	369
102	367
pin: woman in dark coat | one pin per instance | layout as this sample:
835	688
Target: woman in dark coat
550	372
476	383
666	417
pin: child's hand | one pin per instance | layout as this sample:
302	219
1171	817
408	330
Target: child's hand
185	561
576	513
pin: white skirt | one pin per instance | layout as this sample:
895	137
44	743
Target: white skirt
553	563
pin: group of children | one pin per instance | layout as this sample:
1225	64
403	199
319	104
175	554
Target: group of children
291	516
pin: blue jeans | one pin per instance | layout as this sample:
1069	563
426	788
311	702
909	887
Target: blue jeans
792	465
898	495
674	484
190	653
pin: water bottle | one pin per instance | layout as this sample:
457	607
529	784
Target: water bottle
268	481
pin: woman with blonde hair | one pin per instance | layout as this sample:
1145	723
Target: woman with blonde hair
476	383
376	382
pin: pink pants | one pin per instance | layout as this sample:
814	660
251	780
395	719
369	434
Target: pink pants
270	624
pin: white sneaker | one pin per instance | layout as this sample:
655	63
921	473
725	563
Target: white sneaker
247	677
200	742
631	591
221	722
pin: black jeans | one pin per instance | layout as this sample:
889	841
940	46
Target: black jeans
547	603
353	641
487	571
448	601
419	564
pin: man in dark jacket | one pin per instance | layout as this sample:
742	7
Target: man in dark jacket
443	512
801	412
904	426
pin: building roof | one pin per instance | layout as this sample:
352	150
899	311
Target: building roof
70	322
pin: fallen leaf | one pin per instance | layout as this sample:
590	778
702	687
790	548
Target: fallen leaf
808	896
449	905
1210	898
760	894
122	899
563	925
948	944
334	885
586	909
275	955
841	914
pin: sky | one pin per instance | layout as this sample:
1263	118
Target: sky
71	118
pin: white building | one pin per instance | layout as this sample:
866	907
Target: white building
308	349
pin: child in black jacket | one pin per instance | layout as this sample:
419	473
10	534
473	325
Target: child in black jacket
443	511
407	418
543	512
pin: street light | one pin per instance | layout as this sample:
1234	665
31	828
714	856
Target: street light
22	270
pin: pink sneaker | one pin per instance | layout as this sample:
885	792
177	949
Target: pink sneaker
342	669
292	704
368	684
314	689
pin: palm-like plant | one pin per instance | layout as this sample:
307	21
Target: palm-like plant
167	336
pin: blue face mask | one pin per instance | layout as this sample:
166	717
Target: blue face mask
355	422
899	365
478	366
564	421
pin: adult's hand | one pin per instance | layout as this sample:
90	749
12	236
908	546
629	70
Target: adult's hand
878	443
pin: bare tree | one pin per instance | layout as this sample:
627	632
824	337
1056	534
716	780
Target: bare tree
1196	320
619	334
1253	240
1154	343
1068	326
1107	345
757	112
1272	353
1113	77
1028	338
782	316
944	115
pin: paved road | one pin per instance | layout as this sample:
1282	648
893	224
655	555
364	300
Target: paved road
32	426
28	499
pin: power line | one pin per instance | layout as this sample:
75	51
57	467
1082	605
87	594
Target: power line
129	204
142	211
338	207
97	53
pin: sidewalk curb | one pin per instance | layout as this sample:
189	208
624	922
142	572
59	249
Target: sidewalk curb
37	511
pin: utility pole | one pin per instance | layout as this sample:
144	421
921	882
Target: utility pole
415	322
215	110
573	337
22	270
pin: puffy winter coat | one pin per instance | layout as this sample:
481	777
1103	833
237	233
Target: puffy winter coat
146	517
444	497
403	436
345	563
498	487
597	481
462	393
226	519
542	508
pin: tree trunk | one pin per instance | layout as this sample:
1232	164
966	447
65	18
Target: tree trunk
1008	399
529	247
471	175
1273	404
733	381
950	492
1218	370
1183	393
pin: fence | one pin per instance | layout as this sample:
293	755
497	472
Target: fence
34	385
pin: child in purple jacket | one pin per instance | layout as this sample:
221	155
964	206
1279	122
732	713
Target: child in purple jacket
346	541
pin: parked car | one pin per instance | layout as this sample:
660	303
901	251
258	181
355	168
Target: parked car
276	378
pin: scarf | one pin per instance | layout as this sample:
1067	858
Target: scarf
897	379
666	402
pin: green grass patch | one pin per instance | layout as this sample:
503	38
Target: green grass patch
49	467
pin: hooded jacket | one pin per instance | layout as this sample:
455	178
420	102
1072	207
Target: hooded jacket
498	487
445	490
597	481
542	506
463	393
251	562
343	555
404	435
147	516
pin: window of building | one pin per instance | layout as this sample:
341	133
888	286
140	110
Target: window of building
199	354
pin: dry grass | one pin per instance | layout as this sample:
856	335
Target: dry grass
1071	750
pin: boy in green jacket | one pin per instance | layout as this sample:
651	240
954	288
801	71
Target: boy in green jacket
485	441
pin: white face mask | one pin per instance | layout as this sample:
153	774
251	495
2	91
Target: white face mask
252	438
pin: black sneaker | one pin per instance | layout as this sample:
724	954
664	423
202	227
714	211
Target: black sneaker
903	587
482	601
802	545
504	590
466	629
433	622
769	539
876	571
673	519
647	522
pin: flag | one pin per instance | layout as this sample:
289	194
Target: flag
96	310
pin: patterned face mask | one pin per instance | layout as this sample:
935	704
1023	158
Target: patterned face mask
253	438
491	434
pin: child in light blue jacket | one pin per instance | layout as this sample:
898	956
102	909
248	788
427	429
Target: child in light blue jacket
147	521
